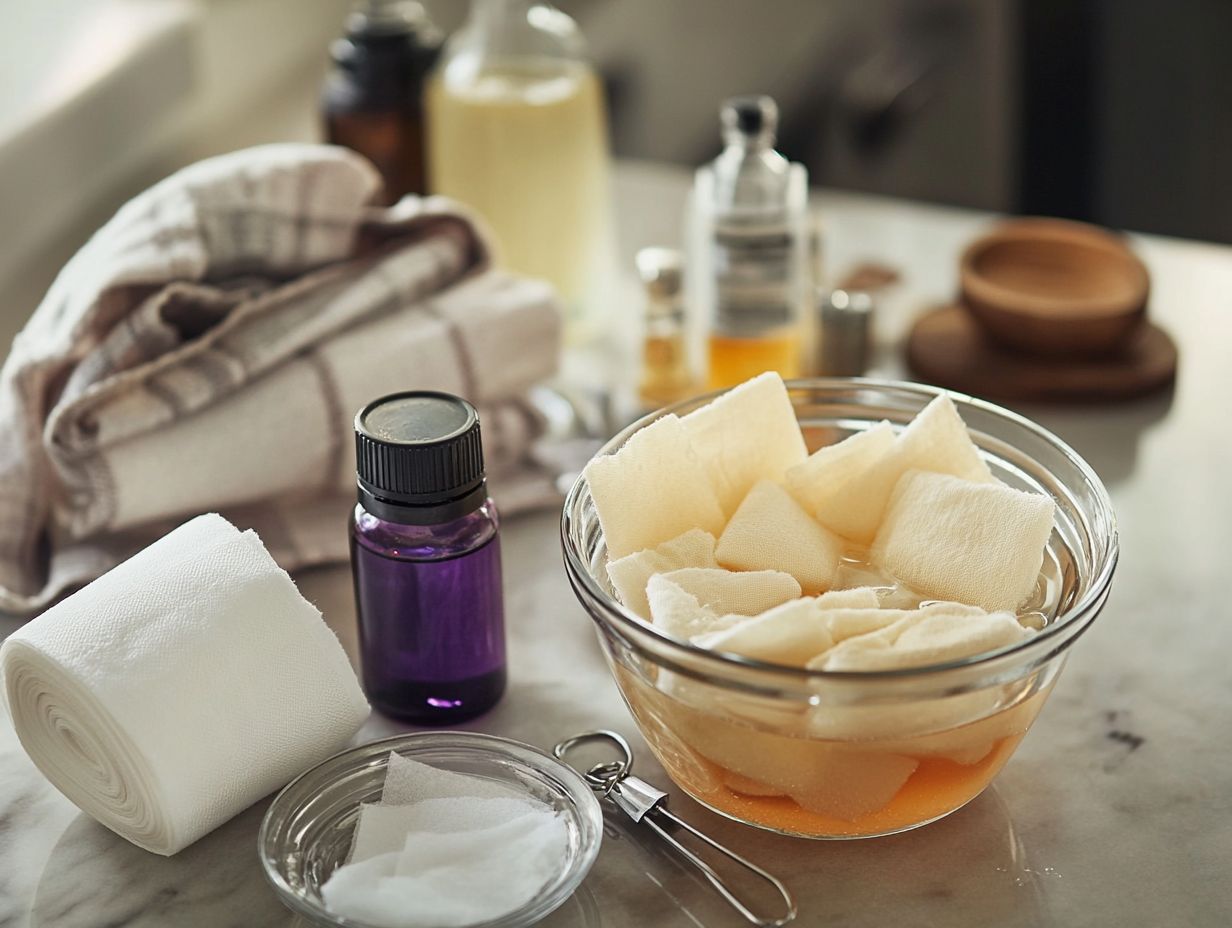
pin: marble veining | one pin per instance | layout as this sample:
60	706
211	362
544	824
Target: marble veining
1116	810
1087	825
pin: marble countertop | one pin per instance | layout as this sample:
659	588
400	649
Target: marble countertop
1116	810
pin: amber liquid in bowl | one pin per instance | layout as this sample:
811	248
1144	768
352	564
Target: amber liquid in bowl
840	771
828	755
858	788
895	768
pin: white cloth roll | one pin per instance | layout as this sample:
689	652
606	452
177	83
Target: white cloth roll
180	687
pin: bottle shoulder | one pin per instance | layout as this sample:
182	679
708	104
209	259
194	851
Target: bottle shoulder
756	183
513	48
425	542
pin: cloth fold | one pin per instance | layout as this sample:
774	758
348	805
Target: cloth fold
180	687
208	347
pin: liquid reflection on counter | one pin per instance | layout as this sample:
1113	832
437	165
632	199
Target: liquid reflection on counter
970	869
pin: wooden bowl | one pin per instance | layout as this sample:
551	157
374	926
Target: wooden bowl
1054	288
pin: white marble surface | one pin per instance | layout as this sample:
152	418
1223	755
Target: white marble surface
1116	810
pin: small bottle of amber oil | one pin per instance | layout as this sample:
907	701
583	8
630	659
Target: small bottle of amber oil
749	251
666	375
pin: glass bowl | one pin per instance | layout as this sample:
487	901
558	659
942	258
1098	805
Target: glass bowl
307	831
827	754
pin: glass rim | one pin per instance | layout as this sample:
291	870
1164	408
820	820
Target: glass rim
582	801
1071	620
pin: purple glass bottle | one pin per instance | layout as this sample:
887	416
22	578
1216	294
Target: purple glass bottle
425	555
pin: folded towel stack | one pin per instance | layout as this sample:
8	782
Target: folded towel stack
208	348
180	687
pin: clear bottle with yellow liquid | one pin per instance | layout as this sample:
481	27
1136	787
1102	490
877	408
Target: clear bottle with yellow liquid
666	375
517	130
749	248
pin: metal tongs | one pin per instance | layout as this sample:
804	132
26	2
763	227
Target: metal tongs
645	804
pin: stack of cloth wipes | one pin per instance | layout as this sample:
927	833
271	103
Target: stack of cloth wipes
208	348
180	687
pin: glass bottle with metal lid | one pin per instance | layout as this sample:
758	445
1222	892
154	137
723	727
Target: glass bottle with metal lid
749	254
666	375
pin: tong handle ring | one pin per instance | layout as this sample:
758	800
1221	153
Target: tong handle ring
604	776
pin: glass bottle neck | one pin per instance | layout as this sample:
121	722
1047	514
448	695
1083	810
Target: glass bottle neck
444	539
499	13
378	18
736	141
507	30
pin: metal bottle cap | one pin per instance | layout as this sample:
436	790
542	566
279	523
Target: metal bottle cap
844	333
661	271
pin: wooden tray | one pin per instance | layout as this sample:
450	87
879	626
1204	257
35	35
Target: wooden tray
946	347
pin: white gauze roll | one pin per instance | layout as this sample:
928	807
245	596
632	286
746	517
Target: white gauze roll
179	688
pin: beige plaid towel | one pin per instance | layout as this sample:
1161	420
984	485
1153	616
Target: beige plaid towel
208	349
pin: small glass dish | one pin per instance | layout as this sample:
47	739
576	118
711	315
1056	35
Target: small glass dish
307	831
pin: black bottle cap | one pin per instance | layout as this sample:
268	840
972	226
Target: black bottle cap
750	116
418	457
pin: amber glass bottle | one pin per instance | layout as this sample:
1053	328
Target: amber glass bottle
373	99
666	376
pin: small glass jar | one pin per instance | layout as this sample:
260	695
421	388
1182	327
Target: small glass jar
425	556
666	376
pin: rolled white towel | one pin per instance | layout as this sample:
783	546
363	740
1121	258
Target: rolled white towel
180	687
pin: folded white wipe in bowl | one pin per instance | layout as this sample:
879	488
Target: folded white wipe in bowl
180	687
445	849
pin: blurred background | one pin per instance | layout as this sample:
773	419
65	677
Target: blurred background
1112	111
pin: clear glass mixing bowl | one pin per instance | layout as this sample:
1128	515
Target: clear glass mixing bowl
828	754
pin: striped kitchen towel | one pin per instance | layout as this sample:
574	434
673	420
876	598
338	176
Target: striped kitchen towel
208	348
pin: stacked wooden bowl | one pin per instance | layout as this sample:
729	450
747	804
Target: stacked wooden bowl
1048	310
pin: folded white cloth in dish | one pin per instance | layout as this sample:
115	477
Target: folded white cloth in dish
180	687
208	349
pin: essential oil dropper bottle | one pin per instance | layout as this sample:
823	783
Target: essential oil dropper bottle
425	554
